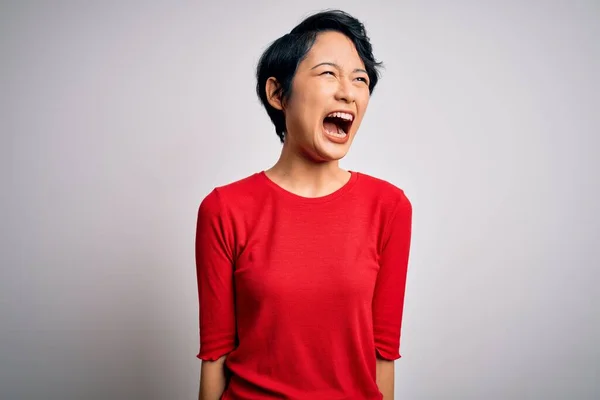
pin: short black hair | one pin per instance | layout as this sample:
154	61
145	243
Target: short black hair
280	60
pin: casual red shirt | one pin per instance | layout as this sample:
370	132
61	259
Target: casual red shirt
302	293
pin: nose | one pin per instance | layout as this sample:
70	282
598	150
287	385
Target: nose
345	91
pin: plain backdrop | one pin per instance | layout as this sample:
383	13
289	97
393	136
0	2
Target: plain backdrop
118	117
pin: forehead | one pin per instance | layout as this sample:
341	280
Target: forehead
334	47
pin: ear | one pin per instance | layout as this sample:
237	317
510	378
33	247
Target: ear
271	89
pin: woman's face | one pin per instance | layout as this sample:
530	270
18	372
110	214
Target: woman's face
329	97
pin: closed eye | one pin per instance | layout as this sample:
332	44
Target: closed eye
328	72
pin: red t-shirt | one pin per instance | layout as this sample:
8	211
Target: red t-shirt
302	293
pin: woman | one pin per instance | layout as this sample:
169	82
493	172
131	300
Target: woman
302	267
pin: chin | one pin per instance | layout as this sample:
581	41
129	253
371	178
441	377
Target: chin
332	152
323	150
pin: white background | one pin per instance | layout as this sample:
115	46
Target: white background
117	118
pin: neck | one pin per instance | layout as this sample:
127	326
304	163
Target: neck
298	173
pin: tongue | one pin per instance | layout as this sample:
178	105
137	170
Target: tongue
331	127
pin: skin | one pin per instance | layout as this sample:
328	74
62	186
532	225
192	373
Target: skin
309	161
212	379
330	78
385	378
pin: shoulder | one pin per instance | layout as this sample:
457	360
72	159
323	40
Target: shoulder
387	193
222	196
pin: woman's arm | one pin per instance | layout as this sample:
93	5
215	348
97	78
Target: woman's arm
388	297
212	379
385	378
214	266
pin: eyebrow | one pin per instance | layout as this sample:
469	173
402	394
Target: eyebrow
338	67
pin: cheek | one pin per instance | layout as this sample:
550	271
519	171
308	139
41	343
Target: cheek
302	114
308	102
362	108
362	102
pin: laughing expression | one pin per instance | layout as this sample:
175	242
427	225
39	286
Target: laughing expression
329	97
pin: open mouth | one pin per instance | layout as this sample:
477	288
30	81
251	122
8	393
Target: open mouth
338	123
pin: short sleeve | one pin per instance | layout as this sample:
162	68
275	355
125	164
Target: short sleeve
214	270
388	297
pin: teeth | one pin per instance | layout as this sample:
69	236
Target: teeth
341	115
